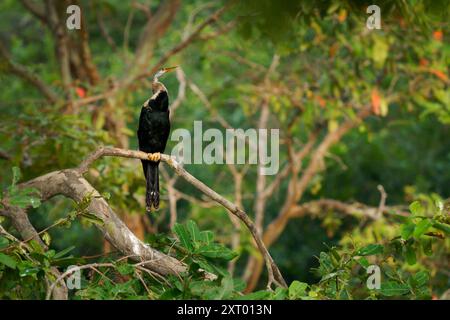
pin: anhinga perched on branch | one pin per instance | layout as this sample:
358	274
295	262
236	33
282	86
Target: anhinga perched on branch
153	132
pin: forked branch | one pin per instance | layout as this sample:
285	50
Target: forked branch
274	273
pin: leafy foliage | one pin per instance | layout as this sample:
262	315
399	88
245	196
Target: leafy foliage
343	272
330	67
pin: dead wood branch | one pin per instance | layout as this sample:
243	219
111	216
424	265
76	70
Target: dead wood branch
273	272
24	73
70	183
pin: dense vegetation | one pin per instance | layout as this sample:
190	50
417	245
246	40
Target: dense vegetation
364	156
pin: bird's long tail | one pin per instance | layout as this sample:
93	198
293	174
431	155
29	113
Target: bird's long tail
152	186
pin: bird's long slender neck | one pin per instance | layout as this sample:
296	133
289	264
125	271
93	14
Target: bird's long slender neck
157	86
160	98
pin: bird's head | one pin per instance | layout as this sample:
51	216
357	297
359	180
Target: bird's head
156	85
162	72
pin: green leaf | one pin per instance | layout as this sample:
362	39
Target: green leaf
46	238
392	288
363	262
170	294
205	290
7	261
407	230
35	202
410	254
335	255
332	275
193	230
226	288
380	51
422	227
209	266
16	175
239	284
28	270
92	218
19	200
427	246
280	294
297	290
442	226
3	242
214	250
36	246
257	295
62	253
206	237
125	268
184	236
41	257
69	261
416	208
421	278
370	249
325	262
23	198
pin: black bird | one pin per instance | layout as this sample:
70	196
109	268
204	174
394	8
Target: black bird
153	132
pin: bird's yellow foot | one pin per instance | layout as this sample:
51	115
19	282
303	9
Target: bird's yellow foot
154	156
151	209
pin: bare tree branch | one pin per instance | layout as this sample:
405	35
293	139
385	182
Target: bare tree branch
151	33
4	155
183	44
295	193
24	73
104	31
297	187
85	53
62	45
273	272
35	10
127	82
316	207
71	184
181	91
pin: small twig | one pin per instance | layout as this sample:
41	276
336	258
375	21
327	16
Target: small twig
4	155
136	272
382	204
181	91
72	270
24	73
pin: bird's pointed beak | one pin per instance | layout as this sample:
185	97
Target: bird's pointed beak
163	71
169	69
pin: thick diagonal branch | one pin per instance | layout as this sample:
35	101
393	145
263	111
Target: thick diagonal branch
273	271
70	183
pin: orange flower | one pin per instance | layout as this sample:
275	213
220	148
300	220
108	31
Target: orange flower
376	102
423	62
438	35
439	74
80	92
322	102
342	15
